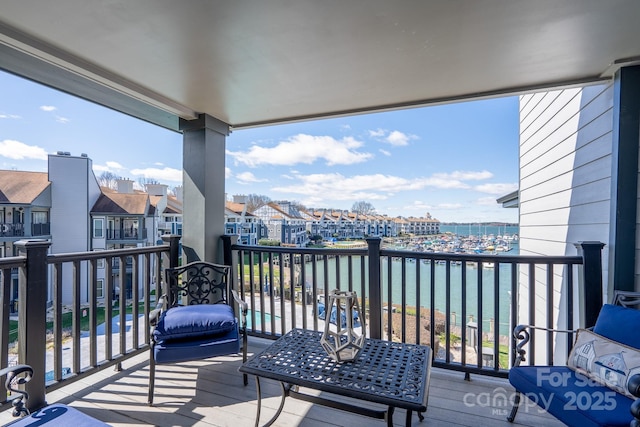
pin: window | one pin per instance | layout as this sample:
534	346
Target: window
100	288
39	217
98	228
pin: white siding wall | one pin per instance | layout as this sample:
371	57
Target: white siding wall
565	183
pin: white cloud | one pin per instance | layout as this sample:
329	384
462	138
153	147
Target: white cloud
165	174
100	168
385	152
248	177
9	116
445	183
19	151
398	138
449	206
62	120
114	165
486	201
48	108
497	188
418	206
158	164
358	187
395	138
305	149
336	186
227	173
465	175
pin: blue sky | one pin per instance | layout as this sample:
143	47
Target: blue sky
452	161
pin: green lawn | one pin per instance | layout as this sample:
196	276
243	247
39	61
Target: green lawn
67	320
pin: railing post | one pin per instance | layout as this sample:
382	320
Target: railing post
591	253
32	317
174	248
375	290
228	240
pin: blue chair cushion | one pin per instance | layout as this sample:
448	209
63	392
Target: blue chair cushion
58	415
571	397
618	324
193	321
173	351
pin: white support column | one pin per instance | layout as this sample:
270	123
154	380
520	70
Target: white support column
204	183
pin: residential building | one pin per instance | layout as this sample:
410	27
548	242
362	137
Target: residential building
284	223
242	223
25	210
67	206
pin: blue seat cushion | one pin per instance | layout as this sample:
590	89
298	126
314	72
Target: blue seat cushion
194	321
571	397
58	415
618	324
172	351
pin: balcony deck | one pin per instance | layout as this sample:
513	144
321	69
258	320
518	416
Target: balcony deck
211	393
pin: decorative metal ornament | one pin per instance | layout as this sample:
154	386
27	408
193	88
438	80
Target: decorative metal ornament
341	342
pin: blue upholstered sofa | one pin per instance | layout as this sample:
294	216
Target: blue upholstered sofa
599	385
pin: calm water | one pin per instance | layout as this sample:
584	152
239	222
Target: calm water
418	281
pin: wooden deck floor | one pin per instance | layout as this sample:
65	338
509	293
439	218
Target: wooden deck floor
211	394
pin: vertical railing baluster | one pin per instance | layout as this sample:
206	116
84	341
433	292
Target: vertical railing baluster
447	326
122	313
532	312
57	319
293	289
93	315
480	314
147	296
108	308
403	298
338	285
570	296
550	321
363	294
252	292
350	273
5	309
389	305
261	287
314	280
463	309
432	305
135	297
514	314
496	315
418	302
75	322
303	291
283	300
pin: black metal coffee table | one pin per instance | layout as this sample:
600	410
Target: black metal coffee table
387	373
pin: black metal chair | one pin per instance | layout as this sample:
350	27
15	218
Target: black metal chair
195	318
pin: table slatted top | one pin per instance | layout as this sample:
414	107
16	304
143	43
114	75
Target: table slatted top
384	372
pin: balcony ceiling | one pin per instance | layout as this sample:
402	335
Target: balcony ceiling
251	63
